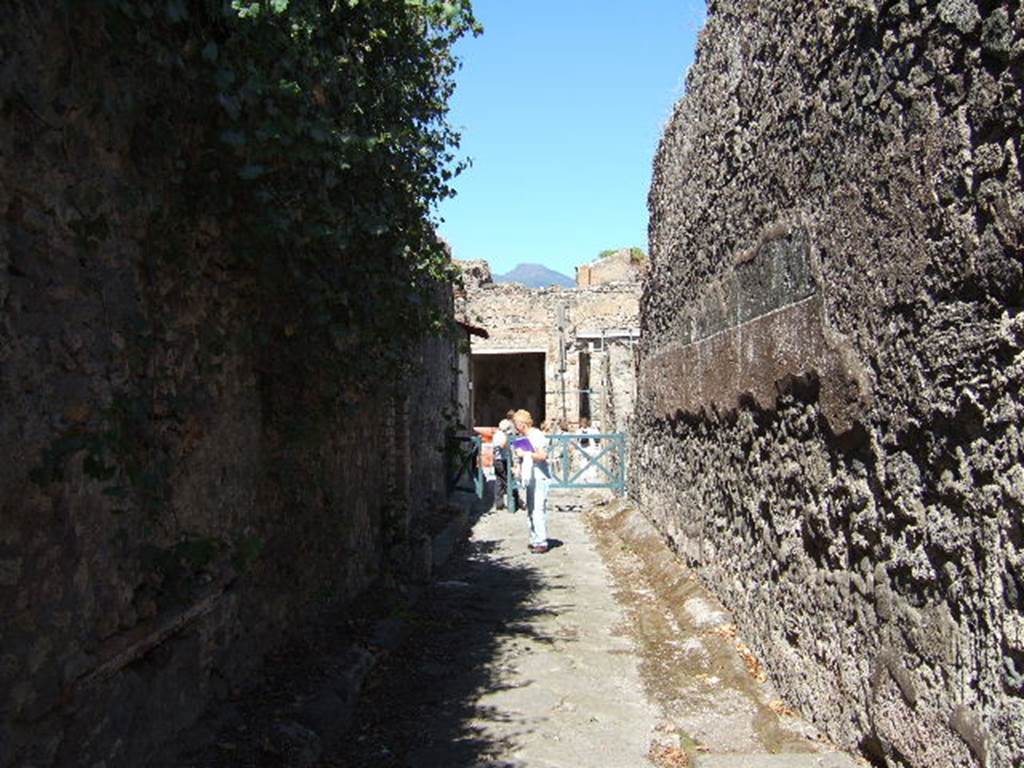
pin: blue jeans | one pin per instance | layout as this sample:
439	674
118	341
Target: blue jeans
537	504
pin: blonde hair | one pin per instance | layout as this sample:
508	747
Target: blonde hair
525	416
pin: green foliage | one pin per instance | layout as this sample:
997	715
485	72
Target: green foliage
198	552
176	572
636	255
315	133
298	147
247	550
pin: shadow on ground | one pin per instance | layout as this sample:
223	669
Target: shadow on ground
421	706
431	651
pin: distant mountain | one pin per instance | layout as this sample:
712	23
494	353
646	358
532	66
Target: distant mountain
535	276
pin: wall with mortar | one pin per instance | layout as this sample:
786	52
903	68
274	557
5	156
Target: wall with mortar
618	266
432	403
518	318
617	378
240	502
831	365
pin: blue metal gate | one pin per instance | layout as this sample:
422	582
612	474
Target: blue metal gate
586	460
583	460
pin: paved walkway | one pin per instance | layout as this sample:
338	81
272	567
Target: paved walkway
602	652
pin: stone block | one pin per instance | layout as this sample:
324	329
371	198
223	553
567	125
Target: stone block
10	572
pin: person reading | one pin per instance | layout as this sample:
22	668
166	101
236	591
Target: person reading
531	447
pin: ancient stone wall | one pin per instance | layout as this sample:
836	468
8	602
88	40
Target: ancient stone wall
172	500
829	417
623	265
617	378
432	403
520	319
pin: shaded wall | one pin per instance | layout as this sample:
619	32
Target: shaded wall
832	361
173	499
518	318
616	378
508	382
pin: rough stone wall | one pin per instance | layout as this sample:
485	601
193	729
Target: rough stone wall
242	501
617	377
620	266
519	319
432	403
831	361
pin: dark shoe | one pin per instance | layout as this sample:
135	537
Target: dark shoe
538	549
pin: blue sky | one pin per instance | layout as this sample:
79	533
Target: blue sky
561	105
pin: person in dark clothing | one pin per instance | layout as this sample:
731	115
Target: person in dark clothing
502	460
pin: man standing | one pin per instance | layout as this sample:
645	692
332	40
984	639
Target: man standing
502	459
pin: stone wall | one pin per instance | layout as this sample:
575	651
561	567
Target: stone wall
521	319
623	265
617	378
831	361
432	400
173	499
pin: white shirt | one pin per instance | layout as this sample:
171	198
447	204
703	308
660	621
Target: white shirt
535	470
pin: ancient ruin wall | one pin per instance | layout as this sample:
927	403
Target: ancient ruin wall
518	318
170	503
831	365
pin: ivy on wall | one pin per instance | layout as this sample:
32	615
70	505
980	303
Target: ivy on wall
314	134
302	146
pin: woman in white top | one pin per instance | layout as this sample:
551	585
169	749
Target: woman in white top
535	475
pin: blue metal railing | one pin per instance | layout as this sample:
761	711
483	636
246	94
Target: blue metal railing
581	460
588	460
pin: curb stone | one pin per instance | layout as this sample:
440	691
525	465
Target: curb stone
330	711
310	727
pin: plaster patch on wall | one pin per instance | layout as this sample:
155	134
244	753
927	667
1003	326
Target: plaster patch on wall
758	331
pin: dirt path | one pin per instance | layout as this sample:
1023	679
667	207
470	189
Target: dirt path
603	652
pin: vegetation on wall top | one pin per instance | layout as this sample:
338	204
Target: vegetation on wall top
314	134
636	255
274	171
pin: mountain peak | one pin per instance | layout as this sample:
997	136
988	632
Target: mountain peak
535	276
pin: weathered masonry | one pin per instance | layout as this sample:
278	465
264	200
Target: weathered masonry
561	353
173	500
829	419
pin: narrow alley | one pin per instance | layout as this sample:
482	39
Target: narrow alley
603	652
600	653
276	307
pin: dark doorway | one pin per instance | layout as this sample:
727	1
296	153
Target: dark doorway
502	382
585	385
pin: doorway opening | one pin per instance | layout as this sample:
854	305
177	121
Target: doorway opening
507	381
585	386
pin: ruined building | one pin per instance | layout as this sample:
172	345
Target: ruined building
561	353
829	424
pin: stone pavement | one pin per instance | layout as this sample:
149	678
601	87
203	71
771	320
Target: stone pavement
602	652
